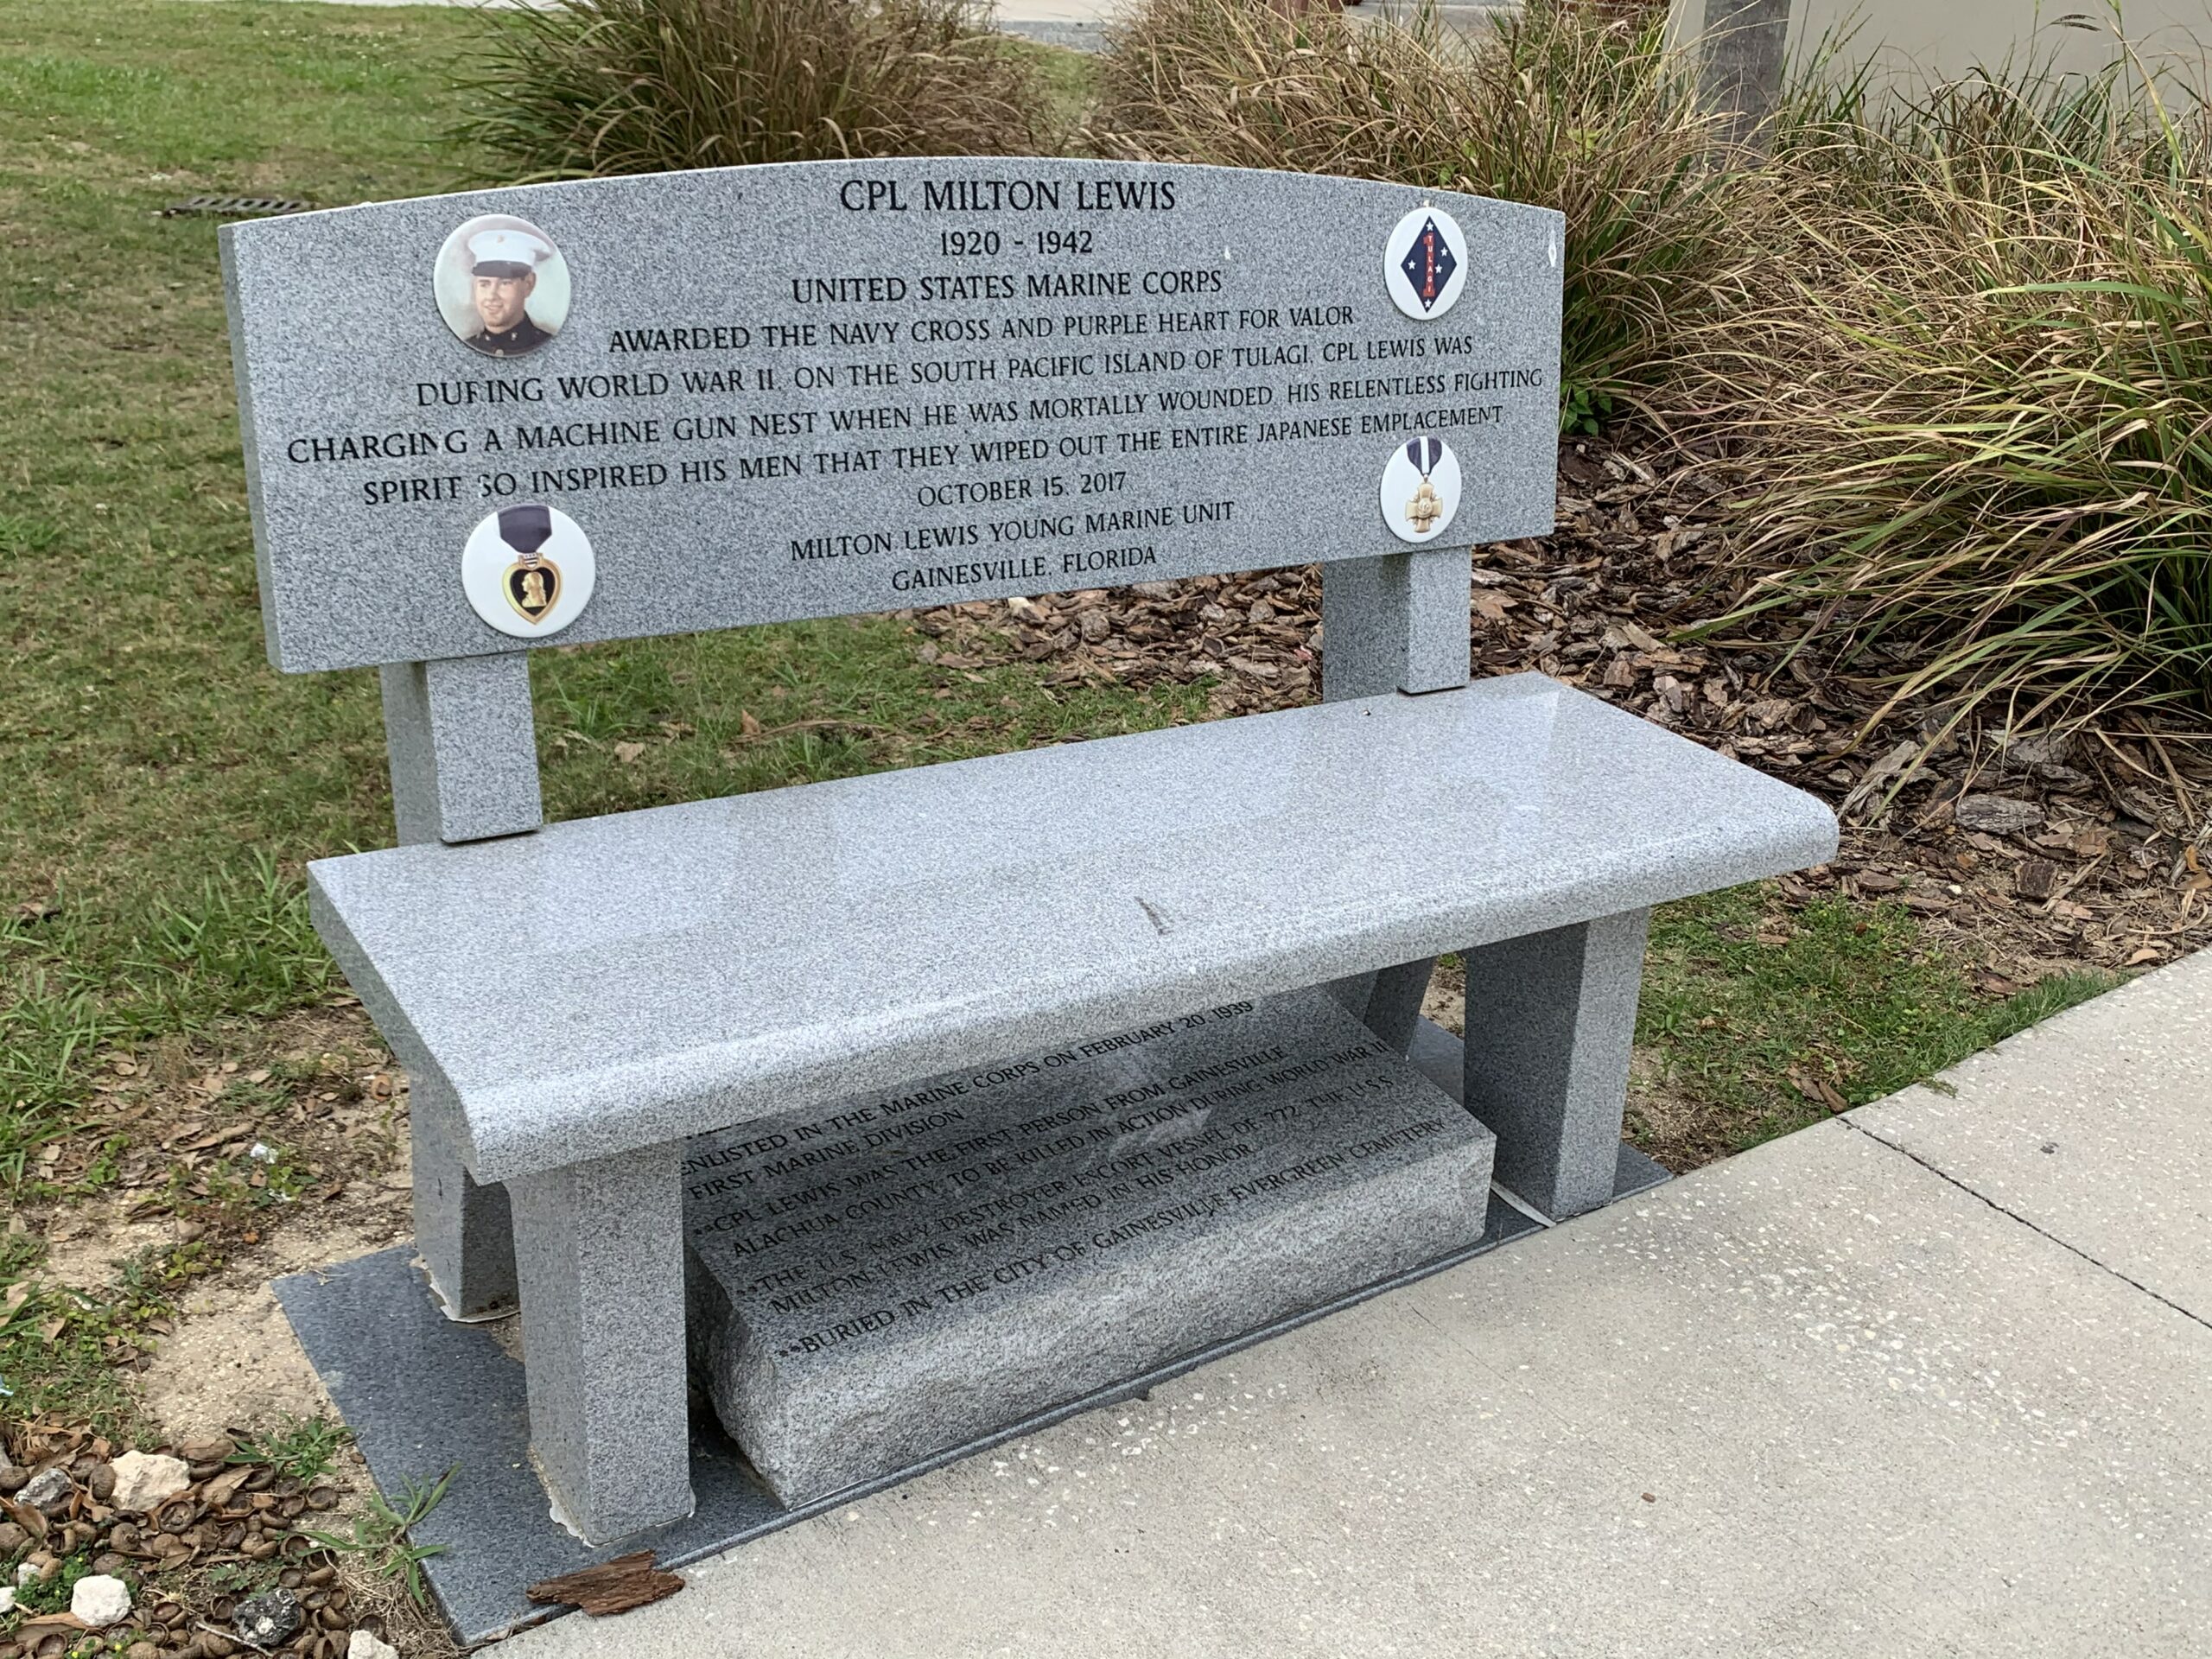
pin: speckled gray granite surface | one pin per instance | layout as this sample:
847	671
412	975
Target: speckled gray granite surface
905	1272
424	1393
615	982
820	388
462	744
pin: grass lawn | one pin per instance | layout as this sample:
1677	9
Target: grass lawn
160	785
161	782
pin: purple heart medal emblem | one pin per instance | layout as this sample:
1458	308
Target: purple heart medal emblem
532	583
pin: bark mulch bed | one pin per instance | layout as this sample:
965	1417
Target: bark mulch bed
2029	853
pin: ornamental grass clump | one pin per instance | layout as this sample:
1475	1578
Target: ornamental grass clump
1973	382
589	88
1564	105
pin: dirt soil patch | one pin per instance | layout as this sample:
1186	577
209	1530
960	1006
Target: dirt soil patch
201	1177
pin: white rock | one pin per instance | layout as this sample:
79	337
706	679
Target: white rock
141	1481
26	1574
7	1603
100	1601
366	1646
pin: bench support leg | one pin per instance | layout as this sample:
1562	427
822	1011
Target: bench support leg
464	766
1397	622
599	1250
462	1229
1393	1007
463	748
1550	1020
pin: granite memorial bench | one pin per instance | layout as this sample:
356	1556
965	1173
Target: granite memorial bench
898	1107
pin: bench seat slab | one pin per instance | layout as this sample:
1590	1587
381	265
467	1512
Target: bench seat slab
623	982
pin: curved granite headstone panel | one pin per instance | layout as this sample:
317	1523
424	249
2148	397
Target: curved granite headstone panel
824	388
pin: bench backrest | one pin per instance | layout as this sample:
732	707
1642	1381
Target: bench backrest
478	423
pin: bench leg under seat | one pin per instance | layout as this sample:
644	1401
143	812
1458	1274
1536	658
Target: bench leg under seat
462	1229
599	1256
1394	1007
1397	622
1551	1018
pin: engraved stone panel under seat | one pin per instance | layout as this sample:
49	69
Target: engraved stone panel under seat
904	1273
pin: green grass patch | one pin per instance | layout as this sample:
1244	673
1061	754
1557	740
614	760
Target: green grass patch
163	785
1766	1018
298	1448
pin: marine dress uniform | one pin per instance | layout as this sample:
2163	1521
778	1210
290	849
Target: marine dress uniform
510	255
525	336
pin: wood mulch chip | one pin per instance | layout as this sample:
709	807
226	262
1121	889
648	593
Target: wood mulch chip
621	1585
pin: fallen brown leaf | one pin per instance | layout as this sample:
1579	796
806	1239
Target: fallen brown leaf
621	1585
49	1625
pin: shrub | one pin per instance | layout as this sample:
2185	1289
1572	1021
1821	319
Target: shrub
592	87
1975	383
1564	105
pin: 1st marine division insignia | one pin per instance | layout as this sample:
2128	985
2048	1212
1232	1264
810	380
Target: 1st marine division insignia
1425	264
1428	265
532	583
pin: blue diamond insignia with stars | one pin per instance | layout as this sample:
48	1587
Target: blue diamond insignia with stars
1429	265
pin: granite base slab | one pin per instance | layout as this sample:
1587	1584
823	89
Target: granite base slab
905	1272
424	1393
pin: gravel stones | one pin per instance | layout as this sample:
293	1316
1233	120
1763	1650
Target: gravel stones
367	1645
272	1616
48	1491
100	1600
143	1481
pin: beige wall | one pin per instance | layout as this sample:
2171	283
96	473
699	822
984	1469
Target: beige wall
1925	40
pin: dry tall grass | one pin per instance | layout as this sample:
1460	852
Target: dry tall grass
591	87
1564	105
1973	377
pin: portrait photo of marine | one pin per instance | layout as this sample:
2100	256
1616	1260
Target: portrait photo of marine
502	286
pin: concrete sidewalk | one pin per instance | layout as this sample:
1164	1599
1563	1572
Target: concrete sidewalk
1932	1379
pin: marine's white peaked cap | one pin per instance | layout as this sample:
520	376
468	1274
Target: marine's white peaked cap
509	247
